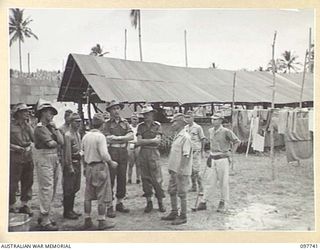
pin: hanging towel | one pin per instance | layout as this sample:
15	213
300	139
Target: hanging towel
299	144
311	120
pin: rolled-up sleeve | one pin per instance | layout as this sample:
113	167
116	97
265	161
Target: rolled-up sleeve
201	134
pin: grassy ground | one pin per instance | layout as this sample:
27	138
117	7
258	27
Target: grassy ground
256	202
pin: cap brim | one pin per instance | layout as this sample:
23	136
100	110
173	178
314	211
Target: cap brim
118	104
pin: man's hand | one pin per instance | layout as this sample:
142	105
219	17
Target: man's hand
53	125
113	164
111	137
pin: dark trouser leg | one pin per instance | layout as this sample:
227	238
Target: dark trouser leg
15	174
145	173
155	172
26	181
122	173
199	179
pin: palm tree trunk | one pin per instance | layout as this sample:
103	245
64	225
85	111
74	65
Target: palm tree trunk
20	56
140	46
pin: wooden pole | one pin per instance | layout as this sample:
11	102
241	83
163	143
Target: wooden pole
29	63
88	105
140	45
125	44
272	107
232	110
309	50
303	78
185	48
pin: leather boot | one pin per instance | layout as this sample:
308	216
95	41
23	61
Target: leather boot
172	216
162	209
182	219
149	207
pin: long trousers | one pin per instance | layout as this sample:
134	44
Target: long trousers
71	185
149	160
119	155
47	167
20	172
219	172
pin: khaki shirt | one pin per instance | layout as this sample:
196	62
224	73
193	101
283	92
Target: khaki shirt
94	147
42	135
72	147
120	128
221	140
21	134
149	132
197	135
181	147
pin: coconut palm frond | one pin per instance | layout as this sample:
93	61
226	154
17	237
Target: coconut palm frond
134	15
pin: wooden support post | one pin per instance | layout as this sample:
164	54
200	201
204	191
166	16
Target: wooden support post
185	48
232	110
272	107
29	64
125	44
303	78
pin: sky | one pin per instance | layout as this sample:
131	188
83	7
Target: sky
233	39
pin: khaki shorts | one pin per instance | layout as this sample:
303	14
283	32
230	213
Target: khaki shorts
98	183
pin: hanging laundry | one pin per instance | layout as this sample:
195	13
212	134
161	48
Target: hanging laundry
299	143
311	120
283	120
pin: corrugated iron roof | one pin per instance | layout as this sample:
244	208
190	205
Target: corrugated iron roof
132	81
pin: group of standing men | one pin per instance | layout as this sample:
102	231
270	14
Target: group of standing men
104	152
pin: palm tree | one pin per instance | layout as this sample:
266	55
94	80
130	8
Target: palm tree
136	22
97	51
289	62
18	29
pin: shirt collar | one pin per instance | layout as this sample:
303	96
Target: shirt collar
215	131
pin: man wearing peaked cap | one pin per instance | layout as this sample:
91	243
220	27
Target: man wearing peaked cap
48	139
72	166
97	165
149	138
180	168
21	160
118	134
197	138
222	142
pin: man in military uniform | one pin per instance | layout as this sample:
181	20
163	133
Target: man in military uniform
197	138
47	140
65	127
180	168
118	132
21	163
72	166
149	138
